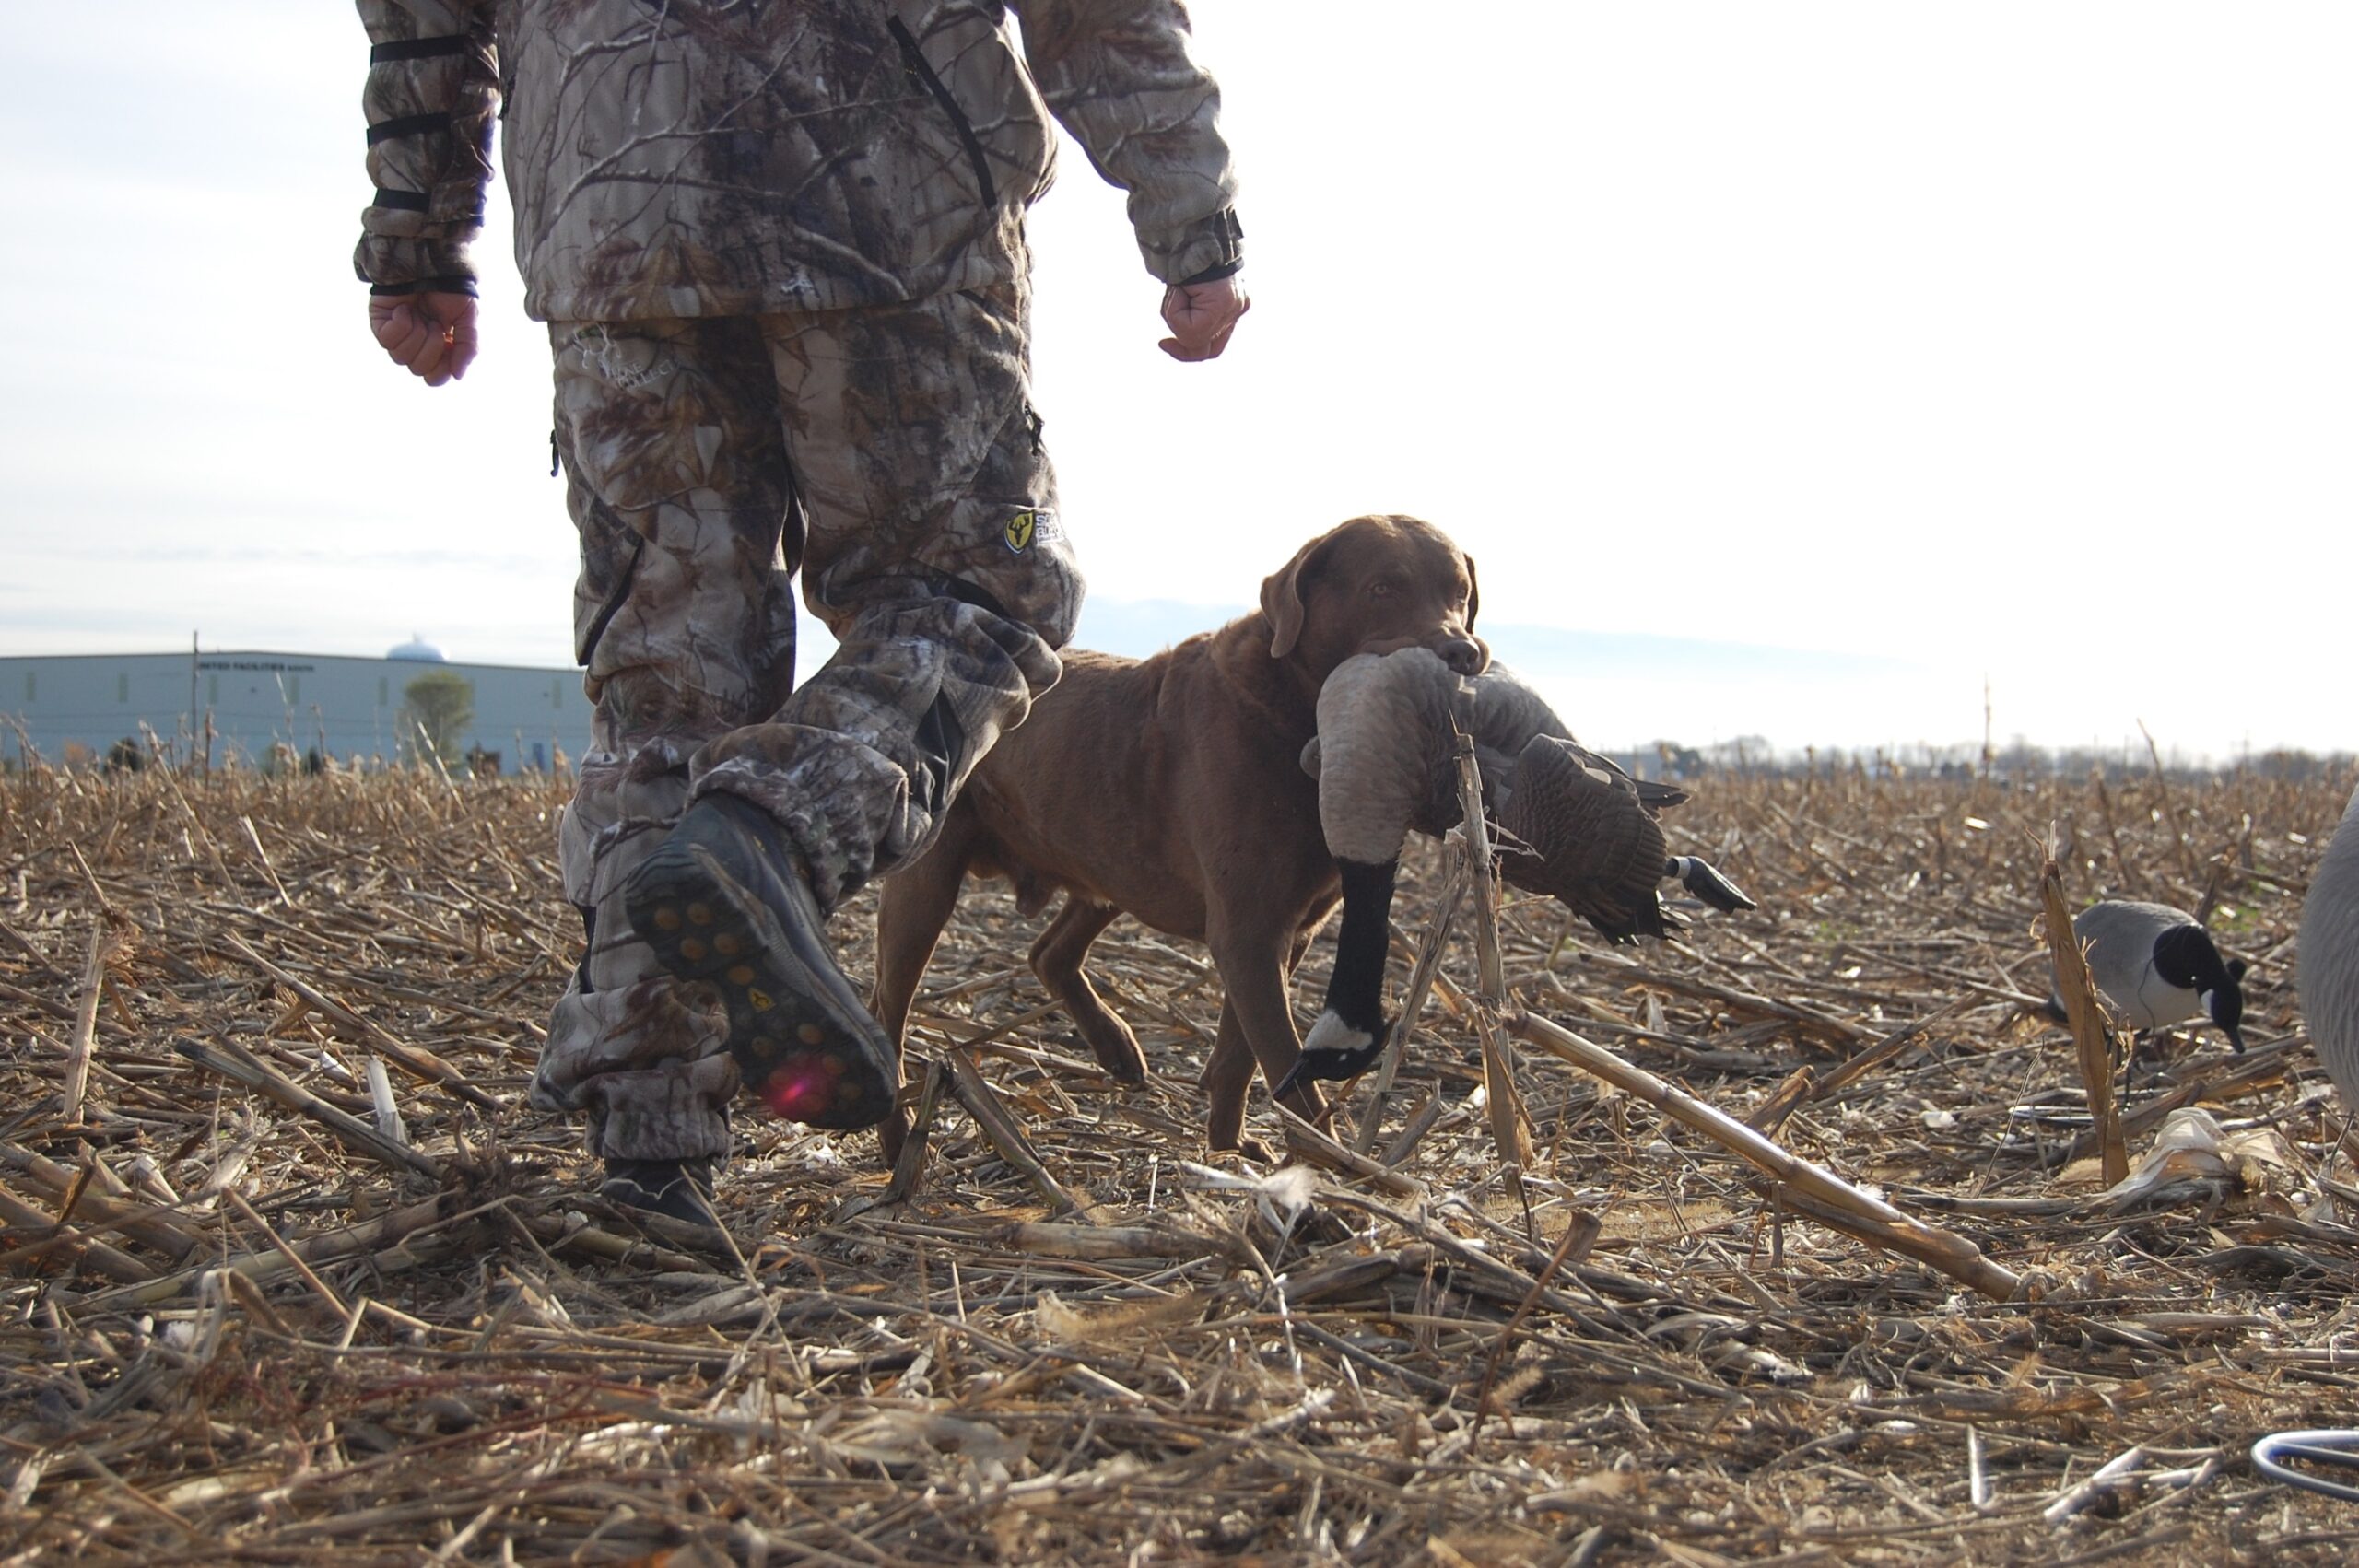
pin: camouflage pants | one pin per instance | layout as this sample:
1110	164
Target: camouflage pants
890	455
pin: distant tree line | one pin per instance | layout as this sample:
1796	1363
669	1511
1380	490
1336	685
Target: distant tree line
2018	762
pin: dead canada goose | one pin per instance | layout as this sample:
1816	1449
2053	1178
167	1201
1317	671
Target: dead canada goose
2328	972
1590	840
2158	967
1582	830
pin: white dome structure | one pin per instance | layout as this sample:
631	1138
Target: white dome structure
417	650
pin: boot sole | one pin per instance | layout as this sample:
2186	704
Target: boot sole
797	1053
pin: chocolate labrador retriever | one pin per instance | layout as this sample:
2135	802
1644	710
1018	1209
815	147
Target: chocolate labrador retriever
1172	788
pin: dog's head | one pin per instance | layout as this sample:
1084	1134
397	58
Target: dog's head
1376	585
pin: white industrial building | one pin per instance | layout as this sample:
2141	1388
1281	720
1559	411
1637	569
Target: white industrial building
76	707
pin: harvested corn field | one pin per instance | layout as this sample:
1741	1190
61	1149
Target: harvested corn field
291	1270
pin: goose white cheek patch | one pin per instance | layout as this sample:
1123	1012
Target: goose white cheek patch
1331	1033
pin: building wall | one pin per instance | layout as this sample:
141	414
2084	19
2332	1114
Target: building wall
346	708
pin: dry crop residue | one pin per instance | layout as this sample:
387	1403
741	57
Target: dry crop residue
251	1308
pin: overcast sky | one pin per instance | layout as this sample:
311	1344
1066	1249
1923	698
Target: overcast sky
1929	341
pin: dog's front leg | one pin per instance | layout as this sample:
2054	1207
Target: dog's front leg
915	903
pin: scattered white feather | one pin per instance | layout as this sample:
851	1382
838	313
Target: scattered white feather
1289	1187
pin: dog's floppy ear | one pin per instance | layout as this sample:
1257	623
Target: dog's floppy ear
1474	593
1282	598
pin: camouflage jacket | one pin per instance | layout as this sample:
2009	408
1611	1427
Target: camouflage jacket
688	158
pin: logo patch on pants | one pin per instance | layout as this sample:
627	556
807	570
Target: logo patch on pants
1028	528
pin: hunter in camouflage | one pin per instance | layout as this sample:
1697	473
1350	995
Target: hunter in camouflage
780	250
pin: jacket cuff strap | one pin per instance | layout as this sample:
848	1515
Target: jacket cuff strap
465	285
1209	248
421	47
1215	273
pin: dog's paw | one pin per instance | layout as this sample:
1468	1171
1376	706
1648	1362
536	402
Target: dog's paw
1127	1070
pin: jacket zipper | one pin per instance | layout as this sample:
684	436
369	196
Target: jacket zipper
934	84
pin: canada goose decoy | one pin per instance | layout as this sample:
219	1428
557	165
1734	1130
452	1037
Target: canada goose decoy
2327	972
2158	967
1586	830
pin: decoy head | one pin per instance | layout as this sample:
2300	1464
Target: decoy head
2186	956
2225	1004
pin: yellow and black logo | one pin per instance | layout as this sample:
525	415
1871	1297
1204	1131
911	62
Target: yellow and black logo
1020	531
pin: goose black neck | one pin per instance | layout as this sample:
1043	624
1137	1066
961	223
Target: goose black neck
1356	990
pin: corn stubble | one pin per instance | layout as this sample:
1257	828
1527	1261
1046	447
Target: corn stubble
290	1269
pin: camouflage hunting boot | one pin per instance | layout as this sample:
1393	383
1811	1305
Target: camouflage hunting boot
725	900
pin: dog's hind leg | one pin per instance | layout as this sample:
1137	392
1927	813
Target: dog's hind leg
914	906
1056	958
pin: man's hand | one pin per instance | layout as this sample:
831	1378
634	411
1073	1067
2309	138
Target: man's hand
1202	315
431	336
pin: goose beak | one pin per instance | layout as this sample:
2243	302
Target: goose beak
1295	1077
1327	1066
1704	880
2231	1023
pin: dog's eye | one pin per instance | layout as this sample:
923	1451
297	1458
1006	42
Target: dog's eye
1383	587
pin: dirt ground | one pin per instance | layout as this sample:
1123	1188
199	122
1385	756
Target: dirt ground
252	1307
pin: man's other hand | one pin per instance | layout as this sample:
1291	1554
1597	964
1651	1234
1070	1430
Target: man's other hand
431	336
1202	315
